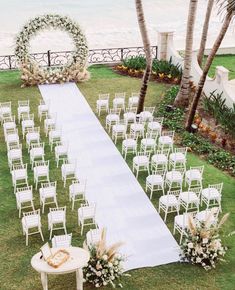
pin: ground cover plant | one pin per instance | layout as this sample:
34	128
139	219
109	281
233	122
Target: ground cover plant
15	269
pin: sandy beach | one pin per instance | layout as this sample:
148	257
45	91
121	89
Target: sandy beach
105	23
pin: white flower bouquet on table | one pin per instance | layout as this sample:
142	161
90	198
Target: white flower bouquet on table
202	244
105	264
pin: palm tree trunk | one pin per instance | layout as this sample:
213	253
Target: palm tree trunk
182	98
147	49
209	61
204	32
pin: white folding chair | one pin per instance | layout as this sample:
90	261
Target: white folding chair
149	142
112	118
147	114
61	151
102	104
137	129
12	137
62	241
41	171
155	125
159	159
48	194
181	223
119	130
5	110
43	110
155	182
166	140
133	100
129	145
194	176
190	199
23	109
93	236
49	123
68	170
212	195
8	123
31	220
57	219
27	123
86	215
32	136
174	178
169	203
119	101
178	158
24	198
55	135
77	191
141	163
36	152
14	154
19	175
130	115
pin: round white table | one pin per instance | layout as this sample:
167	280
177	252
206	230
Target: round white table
77	260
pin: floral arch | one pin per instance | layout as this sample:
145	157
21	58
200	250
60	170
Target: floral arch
32	73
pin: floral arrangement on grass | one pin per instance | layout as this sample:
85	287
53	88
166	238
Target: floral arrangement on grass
202	245
32	73
105	264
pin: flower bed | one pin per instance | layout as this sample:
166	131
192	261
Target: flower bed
162	71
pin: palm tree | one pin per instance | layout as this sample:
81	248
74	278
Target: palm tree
205	32
227	6
147	49
182	98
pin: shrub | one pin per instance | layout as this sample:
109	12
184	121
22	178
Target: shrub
222	159
196	143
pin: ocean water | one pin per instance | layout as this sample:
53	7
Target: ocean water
106	23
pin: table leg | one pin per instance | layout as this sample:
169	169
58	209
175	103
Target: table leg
79	279
44	281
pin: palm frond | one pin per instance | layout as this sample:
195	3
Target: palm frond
226	6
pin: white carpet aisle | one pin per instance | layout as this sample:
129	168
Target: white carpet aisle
122	205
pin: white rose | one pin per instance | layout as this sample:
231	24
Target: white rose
190	245
205	241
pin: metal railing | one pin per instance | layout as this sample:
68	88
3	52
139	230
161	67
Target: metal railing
60	58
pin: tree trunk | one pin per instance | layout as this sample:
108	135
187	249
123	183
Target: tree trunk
147	49
208	63
182	98
204	32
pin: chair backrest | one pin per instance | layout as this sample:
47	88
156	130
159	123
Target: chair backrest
8	119
158	120
31	215
57	209
217	186
131	110
199	168
91	207
196	190
159	172
165	151
173	192
62	241
37	145
143	153
48	184
182	150
15	146
116	111
135	94
27	117
131	136
39	163
181	170
149	109
21	190
168	133
120	95
81	182
19	166
5	105
23	103
33	130
11	131
104	97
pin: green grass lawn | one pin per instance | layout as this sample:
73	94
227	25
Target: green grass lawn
15	269
228	61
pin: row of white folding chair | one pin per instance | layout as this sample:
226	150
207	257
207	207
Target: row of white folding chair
87	215
102	104
181	221
5	110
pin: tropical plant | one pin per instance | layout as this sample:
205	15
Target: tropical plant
147	49
203	245
205	32
227	7
105	264
182	98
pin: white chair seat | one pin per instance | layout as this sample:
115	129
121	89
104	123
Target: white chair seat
159	158
148	142
30	221
182	221
119	128
5	110
112	117
102	103
130	143
129	116
43	108
169	200
154	126
27	123
32	136
62	241
86	213
118	101
20	173
76	188
146	115
61	150
36	152
23	109
165	140
48	122
25	196
177	157
133	100
193	174
12	138
202	216
47	192
174	176
211	193
54	134
41	170
56	216
137	127
155	179
15	154
189	197
68	168
9	125
141	160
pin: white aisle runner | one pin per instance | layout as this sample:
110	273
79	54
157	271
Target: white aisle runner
122	205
